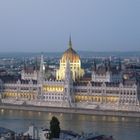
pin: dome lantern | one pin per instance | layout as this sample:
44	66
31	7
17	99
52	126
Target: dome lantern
70	54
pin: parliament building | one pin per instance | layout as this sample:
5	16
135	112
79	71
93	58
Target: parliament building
70	88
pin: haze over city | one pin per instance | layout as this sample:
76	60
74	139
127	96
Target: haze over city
70	70
35	26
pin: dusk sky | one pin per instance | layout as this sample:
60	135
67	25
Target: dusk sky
45	25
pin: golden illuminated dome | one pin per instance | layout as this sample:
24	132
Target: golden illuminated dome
70	54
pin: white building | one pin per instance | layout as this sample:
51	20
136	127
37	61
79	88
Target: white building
105	87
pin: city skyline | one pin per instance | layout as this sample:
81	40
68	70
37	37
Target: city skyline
33	26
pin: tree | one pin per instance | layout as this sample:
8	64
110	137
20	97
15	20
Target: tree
54	128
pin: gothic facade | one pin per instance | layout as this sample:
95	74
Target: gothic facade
105	86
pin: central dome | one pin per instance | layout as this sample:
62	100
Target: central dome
75	64
70	54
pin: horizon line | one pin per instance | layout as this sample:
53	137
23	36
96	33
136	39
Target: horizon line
64	51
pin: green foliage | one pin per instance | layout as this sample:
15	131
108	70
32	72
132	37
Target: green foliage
54	128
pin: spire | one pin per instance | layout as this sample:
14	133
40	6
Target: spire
109	65
120	65
106	65
68	85
41	71
67	71
94	68
42	67
36	64
24	66
70	42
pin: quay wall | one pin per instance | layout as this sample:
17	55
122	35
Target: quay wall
71	110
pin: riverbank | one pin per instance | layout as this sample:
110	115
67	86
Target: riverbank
71	110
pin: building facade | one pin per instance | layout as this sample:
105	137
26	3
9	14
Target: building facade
75	64
69	89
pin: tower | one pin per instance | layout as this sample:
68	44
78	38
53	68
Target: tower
68	85
41	70
94	67
70	42
120	65
108	65
40	77
75	64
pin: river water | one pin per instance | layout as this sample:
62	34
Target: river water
122	128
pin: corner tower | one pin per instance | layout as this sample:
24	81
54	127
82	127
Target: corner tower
75	64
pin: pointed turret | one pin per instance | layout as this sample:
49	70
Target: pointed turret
94	67
24	65
41	63
68	85
70	42
106	65
120	65
109	65
36	64
42	69
68	75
